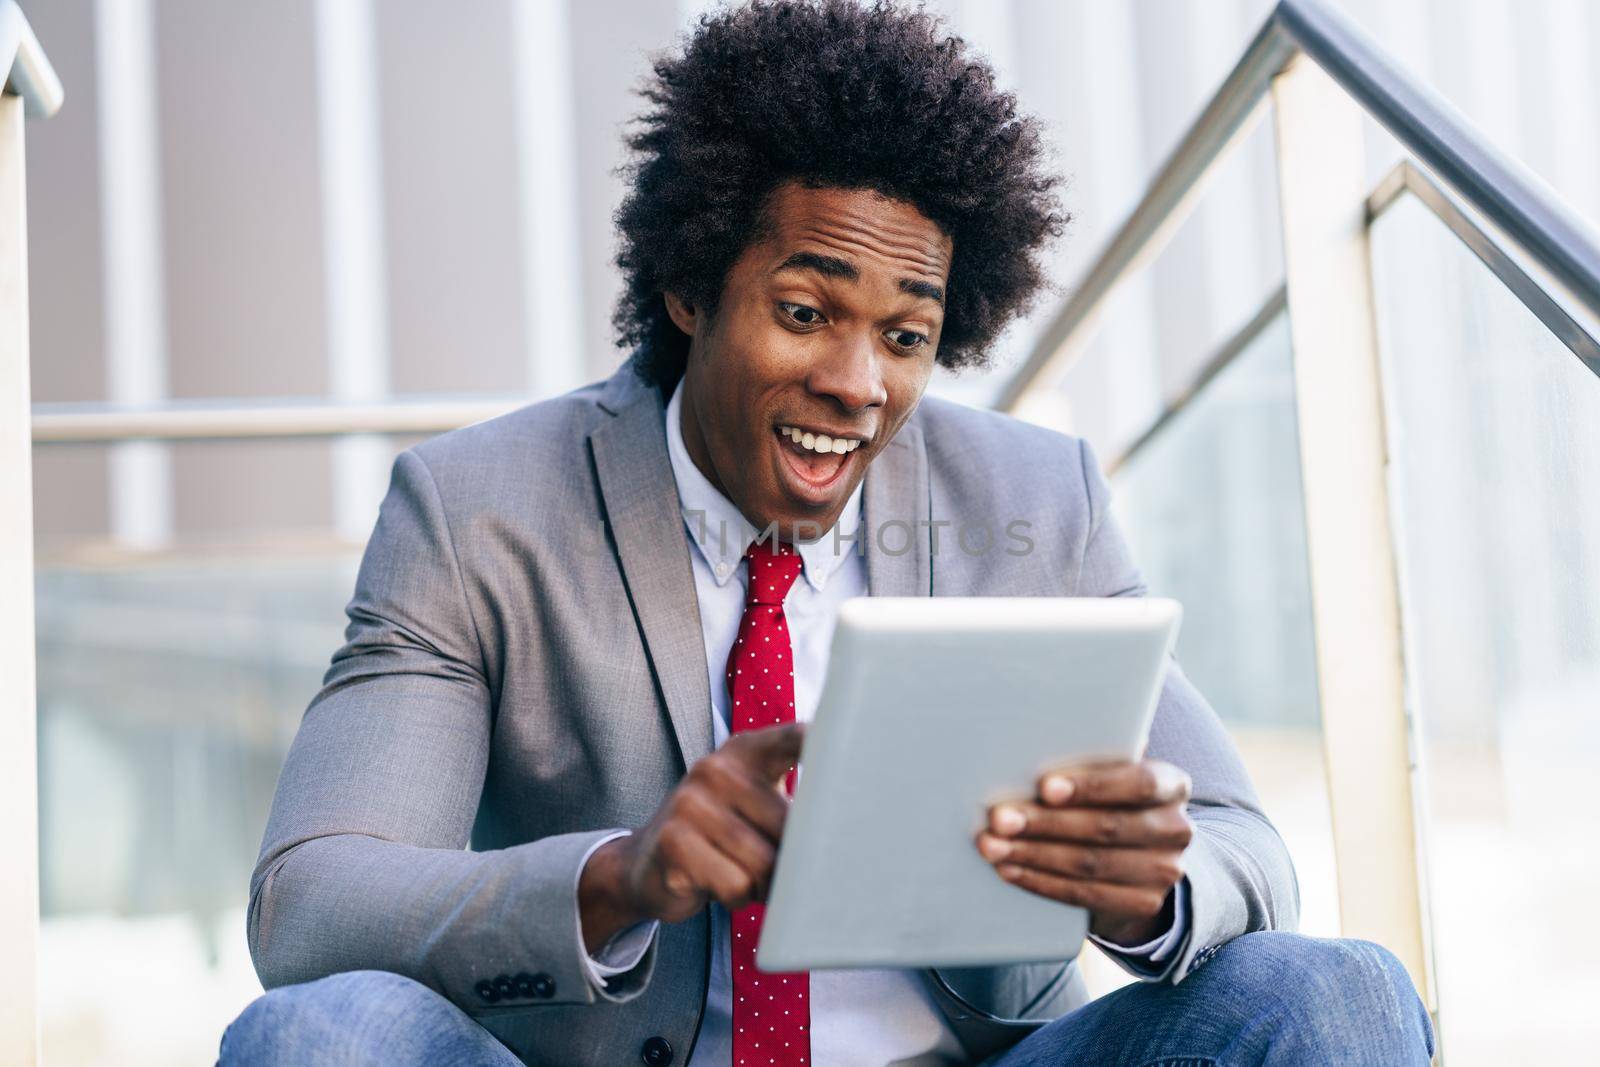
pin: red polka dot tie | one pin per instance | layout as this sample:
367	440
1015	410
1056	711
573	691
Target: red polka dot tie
771	1012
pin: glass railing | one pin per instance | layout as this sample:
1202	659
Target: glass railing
1491	421
1399	478
1494	433
1213	508
169	690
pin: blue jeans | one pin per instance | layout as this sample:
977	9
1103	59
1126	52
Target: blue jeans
1274	999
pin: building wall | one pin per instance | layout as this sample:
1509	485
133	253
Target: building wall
348	198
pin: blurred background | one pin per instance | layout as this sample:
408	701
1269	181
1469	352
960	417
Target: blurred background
353	201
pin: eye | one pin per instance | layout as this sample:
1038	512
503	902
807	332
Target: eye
801	314
906	339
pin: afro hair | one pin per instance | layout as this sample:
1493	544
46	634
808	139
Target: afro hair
827	93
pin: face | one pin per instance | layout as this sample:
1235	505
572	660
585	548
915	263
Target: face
820	348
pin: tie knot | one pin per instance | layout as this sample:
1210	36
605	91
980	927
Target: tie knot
773	569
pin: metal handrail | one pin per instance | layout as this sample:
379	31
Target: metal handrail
220	420
1570	325
28	73
1511	198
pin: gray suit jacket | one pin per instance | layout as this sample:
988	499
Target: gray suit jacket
524	670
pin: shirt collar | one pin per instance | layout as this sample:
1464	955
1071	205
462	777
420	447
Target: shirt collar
719	530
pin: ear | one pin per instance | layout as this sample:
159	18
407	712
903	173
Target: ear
684	314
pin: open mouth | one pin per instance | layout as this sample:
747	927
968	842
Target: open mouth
816	460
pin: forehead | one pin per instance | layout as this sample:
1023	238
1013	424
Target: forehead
860	225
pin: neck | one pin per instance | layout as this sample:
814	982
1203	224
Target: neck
694	441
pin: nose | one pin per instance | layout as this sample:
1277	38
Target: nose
850	375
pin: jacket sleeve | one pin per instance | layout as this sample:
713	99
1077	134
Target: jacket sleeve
364	862
1240	877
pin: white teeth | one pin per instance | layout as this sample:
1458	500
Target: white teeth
819	442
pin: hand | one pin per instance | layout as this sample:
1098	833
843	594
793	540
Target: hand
715	837
1109	838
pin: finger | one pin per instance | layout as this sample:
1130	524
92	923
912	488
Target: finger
693	864
733	836
771	751
739	787
762	807
1103	898
1147	782
1123	866
1164	827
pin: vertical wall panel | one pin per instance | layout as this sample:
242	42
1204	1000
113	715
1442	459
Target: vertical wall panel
1562	96
1233	213
547	187
64	264
65	271
141	476
1090	52
353	249
448	132
1476	62
612	41
242	185
244	250
1171	96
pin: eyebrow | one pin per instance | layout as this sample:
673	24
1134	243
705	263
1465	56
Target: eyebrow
834	267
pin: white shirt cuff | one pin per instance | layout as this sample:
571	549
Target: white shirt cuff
626	947
1144	959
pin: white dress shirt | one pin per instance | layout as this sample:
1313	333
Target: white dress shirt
858	1017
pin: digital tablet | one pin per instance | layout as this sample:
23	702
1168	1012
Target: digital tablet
933	709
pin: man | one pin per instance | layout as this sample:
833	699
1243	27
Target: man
553	644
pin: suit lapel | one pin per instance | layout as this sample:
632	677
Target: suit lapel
641	503
895	519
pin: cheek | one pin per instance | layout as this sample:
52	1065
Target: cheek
736	391
725	371
761	359
905	380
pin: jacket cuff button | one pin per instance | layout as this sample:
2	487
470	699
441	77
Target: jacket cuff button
486	992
